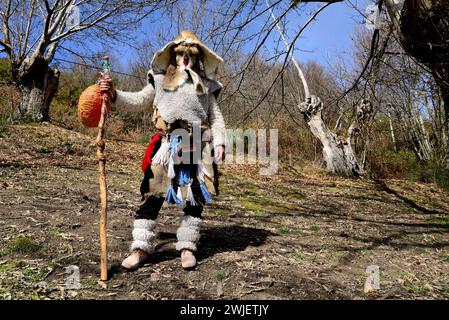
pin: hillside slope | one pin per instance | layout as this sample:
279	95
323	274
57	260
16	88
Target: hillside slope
299	234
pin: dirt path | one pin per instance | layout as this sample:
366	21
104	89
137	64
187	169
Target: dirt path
298	234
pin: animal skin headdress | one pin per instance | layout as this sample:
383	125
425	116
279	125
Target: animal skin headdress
210	60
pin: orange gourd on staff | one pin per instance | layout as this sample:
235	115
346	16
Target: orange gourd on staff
89	106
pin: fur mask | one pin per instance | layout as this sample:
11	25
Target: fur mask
205	65
185	61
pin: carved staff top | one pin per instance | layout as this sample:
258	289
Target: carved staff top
105	73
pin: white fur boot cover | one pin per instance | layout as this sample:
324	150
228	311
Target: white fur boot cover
143	235
188	233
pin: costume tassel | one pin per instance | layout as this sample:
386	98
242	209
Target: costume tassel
190	197
179	196
202	171
161	156
174	146
199	173
184	177
171	196
173	149
207	196
171	168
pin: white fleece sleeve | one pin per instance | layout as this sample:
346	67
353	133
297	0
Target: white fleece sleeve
217	123
135	101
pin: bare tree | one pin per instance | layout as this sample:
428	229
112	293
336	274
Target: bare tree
338	151
34	30
423	30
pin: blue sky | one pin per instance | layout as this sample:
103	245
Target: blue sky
329	36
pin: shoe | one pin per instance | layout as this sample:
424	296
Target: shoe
188	260
135	259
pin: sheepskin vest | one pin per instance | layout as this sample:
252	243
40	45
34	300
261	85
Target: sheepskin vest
184	103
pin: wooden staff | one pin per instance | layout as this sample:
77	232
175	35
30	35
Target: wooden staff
105	74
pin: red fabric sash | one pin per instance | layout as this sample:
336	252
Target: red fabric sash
148	152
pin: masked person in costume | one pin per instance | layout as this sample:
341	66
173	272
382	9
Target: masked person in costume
180	162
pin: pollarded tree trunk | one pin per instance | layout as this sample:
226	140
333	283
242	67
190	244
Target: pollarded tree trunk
32	104
37	83
338	153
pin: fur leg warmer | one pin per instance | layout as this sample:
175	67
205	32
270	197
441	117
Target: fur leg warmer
188	233
143	235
